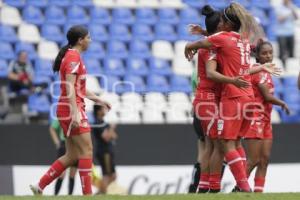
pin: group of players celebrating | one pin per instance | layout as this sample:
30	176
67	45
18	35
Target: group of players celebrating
233	98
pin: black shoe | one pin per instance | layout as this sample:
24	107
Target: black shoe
213	191
201	191
237	189
192	188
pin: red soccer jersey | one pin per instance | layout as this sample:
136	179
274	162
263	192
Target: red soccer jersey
234	60
263	78
73	64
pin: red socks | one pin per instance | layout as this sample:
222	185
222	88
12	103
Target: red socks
237	169
242	153
85	171
215	181
259	183
55	171
204	181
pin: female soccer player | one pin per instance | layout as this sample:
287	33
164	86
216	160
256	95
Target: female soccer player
233	50
71	112
259	139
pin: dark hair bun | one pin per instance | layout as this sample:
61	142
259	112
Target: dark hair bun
207	10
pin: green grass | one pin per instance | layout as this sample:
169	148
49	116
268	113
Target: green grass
238	196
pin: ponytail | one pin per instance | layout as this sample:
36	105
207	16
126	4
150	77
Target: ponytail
59	57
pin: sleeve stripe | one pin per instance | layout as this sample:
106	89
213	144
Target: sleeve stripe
75	68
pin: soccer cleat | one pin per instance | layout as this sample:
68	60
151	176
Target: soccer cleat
36	190
201	190
213	191
237	189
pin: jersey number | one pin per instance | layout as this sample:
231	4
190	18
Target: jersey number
245	53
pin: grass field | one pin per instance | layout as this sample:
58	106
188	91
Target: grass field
238	196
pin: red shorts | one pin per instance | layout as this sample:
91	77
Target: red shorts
64	117
260	130
235	116
207	113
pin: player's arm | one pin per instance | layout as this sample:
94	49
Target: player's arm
54	137
299	81
213	74
264	90
70	82
93	97
196	29
191	48
267	67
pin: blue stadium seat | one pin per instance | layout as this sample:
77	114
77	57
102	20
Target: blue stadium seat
6	51
261	15
136	81
146	16
8	34
95	50
117	49
15	3
60	3
38	103
137	66
218	4
291	95
37	3
290	81
139	49
189	16
3	69
55	15
157	83
180	84
122	16
296	2
160	67
183	34
168	16
270	30
77	15
119	32
245	3
43	67
28	47
33	15
165	32
277	85
85	3
52	32
93	67
112	84
98	33
294	116
264	4
143	32
100	16
195	3
114	67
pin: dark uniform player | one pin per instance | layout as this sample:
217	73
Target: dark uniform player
104	135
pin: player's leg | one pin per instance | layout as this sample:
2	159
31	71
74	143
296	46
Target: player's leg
253	153
60	152
72	174
261	171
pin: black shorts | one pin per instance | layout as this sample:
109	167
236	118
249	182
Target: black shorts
62	150
107	162
198	128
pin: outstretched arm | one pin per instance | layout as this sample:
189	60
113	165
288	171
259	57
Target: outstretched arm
192	47
93	97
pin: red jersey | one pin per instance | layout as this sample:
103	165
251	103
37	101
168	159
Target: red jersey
263	78
233	59
73	64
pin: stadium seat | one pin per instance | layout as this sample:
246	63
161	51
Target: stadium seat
260	14
179	101
55	15
95	51
119	32
114	67
183	34
115	85
112	117
47	50
171	4
152	116
182	67
104	3
38	103
99	16
149	4
77	15
15	3
116	49
245	3
129	115
294	116
134	84
277	85
59	3
6	51
33	15
290	81
162	49
85	3
52	32
37	3
156	100
292	66
218	4
133	98
126	3
29	48
145	16
113	99
29	33
92	84
174	116
43	67
142	32
41	80
165	32
10	16
98	33
3	68
189	16
180	84
291	95
139	49
136	66
264	4
93	67
167	16
122	16
160	67
179	48
275	117
8	34
157	83
195	3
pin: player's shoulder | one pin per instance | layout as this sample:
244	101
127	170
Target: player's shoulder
72	54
